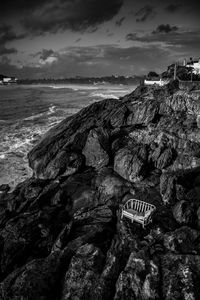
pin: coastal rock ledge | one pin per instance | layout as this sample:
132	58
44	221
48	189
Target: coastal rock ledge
61	233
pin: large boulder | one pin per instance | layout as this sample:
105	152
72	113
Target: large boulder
105	289
70	135
38	279
4	188
95	149
118	118
64	164
83	273
78	191
131	164
165	159
139	280
185	162
110	187
183	240
180	276
28	235
183	212
184	102
168	188
142	112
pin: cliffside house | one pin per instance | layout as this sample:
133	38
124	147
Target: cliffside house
7	80
155	79
195	64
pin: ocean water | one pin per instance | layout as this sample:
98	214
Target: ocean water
27	112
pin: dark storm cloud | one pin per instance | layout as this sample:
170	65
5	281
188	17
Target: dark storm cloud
120	21
165	28
14	6
145	13
4	50
45	53
5	60
182	42
76	15
7	34
172	8
78	40
131	37
94	61
189	7
110	34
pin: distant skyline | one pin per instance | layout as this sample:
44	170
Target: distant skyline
66	38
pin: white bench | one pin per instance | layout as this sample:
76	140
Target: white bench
138	211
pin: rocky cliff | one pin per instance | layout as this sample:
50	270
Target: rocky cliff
61	233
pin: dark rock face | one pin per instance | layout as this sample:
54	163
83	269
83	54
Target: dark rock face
168	188
94	152
139	280
180	281
70	134
61	232
63	164
131	164
110	187
165	159
33	281
143	112
4	188
83	273
184	240
183	212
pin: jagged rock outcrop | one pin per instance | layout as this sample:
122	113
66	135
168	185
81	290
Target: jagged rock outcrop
83	273
165	159
61	233
64	164
95	149
183	240
180	276
139	280
142	112
183	212
71	134
35	280
131	164
168	188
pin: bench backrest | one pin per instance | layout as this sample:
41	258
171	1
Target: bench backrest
139	206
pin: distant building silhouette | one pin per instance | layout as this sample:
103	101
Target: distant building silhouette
195	64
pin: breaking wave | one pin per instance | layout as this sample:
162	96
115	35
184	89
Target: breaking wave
104	96
30	112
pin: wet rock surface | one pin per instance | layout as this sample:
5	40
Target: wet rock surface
61	232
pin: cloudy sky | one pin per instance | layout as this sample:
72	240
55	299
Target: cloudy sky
62	38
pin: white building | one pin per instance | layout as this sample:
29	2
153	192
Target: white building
160	82
195	64
7	79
